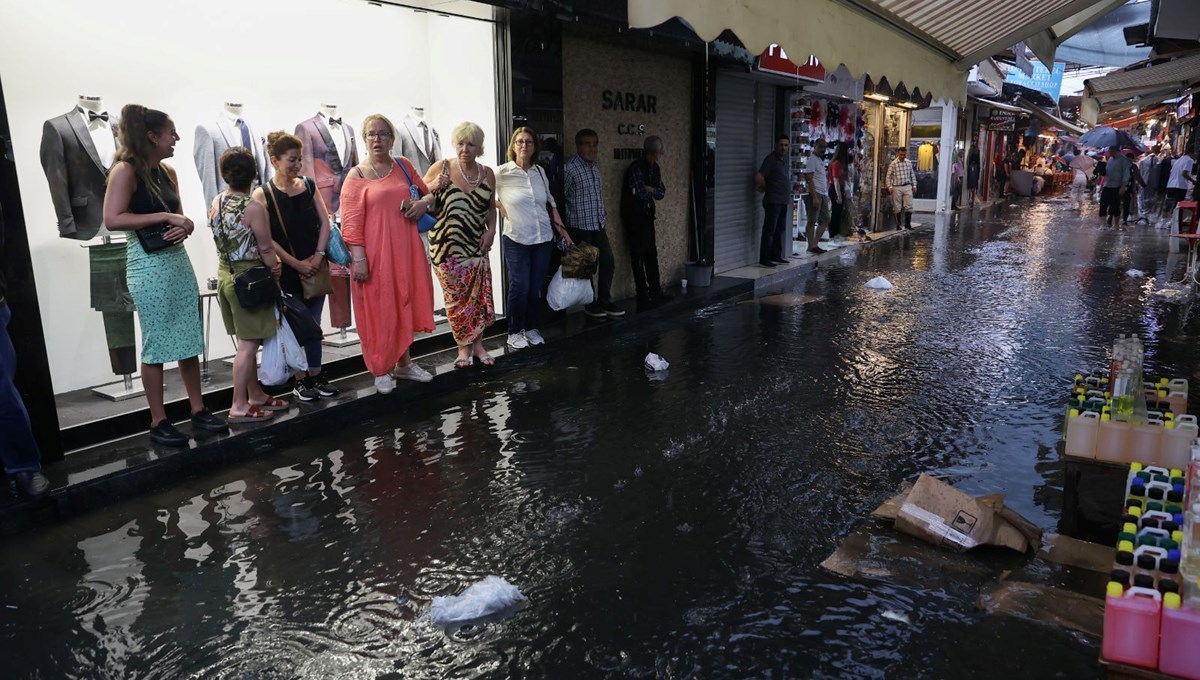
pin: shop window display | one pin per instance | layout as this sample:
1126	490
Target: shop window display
924	149
833	120
63	158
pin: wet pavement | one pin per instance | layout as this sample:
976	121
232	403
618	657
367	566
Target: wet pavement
665	525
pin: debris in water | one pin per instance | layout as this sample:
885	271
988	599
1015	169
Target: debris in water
656	363
489	596
684	528
1136	274
619	484
637	471
879	283
899	617
1012	205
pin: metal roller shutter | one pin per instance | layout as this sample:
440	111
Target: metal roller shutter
733	191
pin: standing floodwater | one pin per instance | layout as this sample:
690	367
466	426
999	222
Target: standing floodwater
660	525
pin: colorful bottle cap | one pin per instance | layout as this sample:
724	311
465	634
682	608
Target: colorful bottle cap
1074	413
1147	562
1134	508
1105	417
1143	581
1135	467
1121	576
1152	522
1156	493
1177	536
1125	557
1154	505
1174	554
1115	589
1142	475
1078	376
1169	424
1175	472
1170	525
1171	600
1177	518
1174	496
1168	566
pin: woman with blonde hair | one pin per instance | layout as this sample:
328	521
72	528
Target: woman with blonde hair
391	285
143	199
530	221
460	241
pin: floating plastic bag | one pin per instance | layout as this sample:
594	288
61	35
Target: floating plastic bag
282	356
1136	274
566	292
879	283
492	594
656	363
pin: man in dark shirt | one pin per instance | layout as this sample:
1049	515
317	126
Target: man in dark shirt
774	179
18	450
642	188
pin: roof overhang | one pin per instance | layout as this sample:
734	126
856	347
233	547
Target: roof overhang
1048	118
1145	84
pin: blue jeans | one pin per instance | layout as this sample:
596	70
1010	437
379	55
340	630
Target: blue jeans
527	267
18	450
313	349
770	245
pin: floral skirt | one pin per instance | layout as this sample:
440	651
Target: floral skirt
467	288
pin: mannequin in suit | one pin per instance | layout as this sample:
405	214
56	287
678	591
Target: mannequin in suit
330	152
230	129
417	141
77	151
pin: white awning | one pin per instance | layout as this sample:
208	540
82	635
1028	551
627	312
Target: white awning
1150	83
997	105
1050	119
928	44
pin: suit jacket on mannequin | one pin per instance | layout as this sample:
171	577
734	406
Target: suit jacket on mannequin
410	143
212	141
321	161
75	173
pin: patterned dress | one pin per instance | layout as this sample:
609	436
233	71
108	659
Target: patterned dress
462	269
163	283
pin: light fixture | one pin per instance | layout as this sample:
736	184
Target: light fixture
877	97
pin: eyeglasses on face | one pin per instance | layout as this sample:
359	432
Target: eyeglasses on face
523	142
379	135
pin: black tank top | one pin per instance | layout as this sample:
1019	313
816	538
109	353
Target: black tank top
303	228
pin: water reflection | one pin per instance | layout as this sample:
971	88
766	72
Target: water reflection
665	528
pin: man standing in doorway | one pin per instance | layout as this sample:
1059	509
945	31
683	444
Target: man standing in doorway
900	180
586	216
641	189
1183	177
774	179
1116	180
816	201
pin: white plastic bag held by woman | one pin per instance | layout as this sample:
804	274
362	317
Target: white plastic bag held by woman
565	292
282	356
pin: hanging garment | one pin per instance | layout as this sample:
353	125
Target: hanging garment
925	158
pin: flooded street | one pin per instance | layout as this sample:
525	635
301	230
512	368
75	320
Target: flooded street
660	526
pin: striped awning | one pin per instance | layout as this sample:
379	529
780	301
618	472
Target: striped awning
929	44
1148	83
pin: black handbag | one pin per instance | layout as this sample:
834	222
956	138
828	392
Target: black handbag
256	287
299	319
153	239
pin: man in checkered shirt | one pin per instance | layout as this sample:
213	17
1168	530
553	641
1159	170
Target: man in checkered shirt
900	181
586	217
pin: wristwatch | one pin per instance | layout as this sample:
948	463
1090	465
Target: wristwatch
321	253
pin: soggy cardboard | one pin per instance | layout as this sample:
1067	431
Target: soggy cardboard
1044	604
943	515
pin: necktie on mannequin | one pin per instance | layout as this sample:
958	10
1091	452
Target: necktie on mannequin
92	116
425	133
245	133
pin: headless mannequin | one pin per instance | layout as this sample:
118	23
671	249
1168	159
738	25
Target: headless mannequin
336	133
418	112
101	130
232	111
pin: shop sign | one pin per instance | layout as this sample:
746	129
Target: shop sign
775	60
1002	121
629	102
1184	109
1041	80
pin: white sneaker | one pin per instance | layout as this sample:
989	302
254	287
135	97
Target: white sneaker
534	337
384	384
412	372
518	340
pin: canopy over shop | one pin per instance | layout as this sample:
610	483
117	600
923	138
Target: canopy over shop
1142	86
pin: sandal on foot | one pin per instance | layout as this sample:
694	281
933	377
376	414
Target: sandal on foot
273	404
253	415
462	362
485	360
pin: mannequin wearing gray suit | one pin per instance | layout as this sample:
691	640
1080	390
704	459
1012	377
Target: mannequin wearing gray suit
75	173
417	141
212	141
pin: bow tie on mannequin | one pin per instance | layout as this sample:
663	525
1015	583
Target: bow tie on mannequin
335	121
92	116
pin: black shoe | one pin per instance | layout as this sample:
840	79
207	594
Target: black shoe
167	434
612	310
305	391
596	311
769	265
31	484
323	388
205	420
817	251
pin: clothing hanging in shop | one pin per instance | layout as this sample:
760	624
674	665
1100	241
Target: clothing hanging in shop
925	158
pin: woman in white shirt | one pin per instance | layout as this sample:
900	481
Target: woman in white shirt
530	221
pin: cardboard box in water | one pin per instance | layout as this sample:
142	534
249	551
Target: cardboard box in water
943	515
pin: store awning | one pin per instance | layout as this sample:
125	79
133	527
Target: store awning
929	44
1150	83
1048	118
997	105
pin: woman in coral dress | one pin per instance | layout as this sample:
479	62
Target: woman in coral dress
392	285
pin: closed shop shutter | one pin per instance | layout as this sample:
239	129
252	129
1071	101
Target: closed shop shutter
745	131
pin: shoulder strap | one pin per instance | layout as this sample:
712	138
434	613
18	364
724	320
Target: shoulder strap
274	201
404	170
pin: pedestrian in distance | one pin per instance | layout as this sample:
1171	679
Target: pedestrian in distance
587	218
242	234
1116	185
973	170
641	189
841	217
774	181
461	239
143	196
391	285
816	201
900	180
531	221
300	231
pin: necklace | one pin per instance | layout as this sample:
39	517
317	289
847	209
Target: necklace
462	170
371	164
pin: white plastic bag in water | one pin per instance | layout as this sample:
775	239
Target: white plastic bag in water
656	363
491	595
1135	274
879	283
565	292
282	356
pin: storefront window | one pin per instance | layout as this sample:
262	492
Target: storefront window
224	74
923	149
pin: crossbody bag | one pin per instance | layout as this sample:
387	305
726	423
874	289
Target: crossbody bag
319	283
255	286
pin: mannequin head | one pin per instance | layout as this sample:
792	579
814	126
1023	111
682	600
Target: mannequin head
91	103
330	110
147	138
286	152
